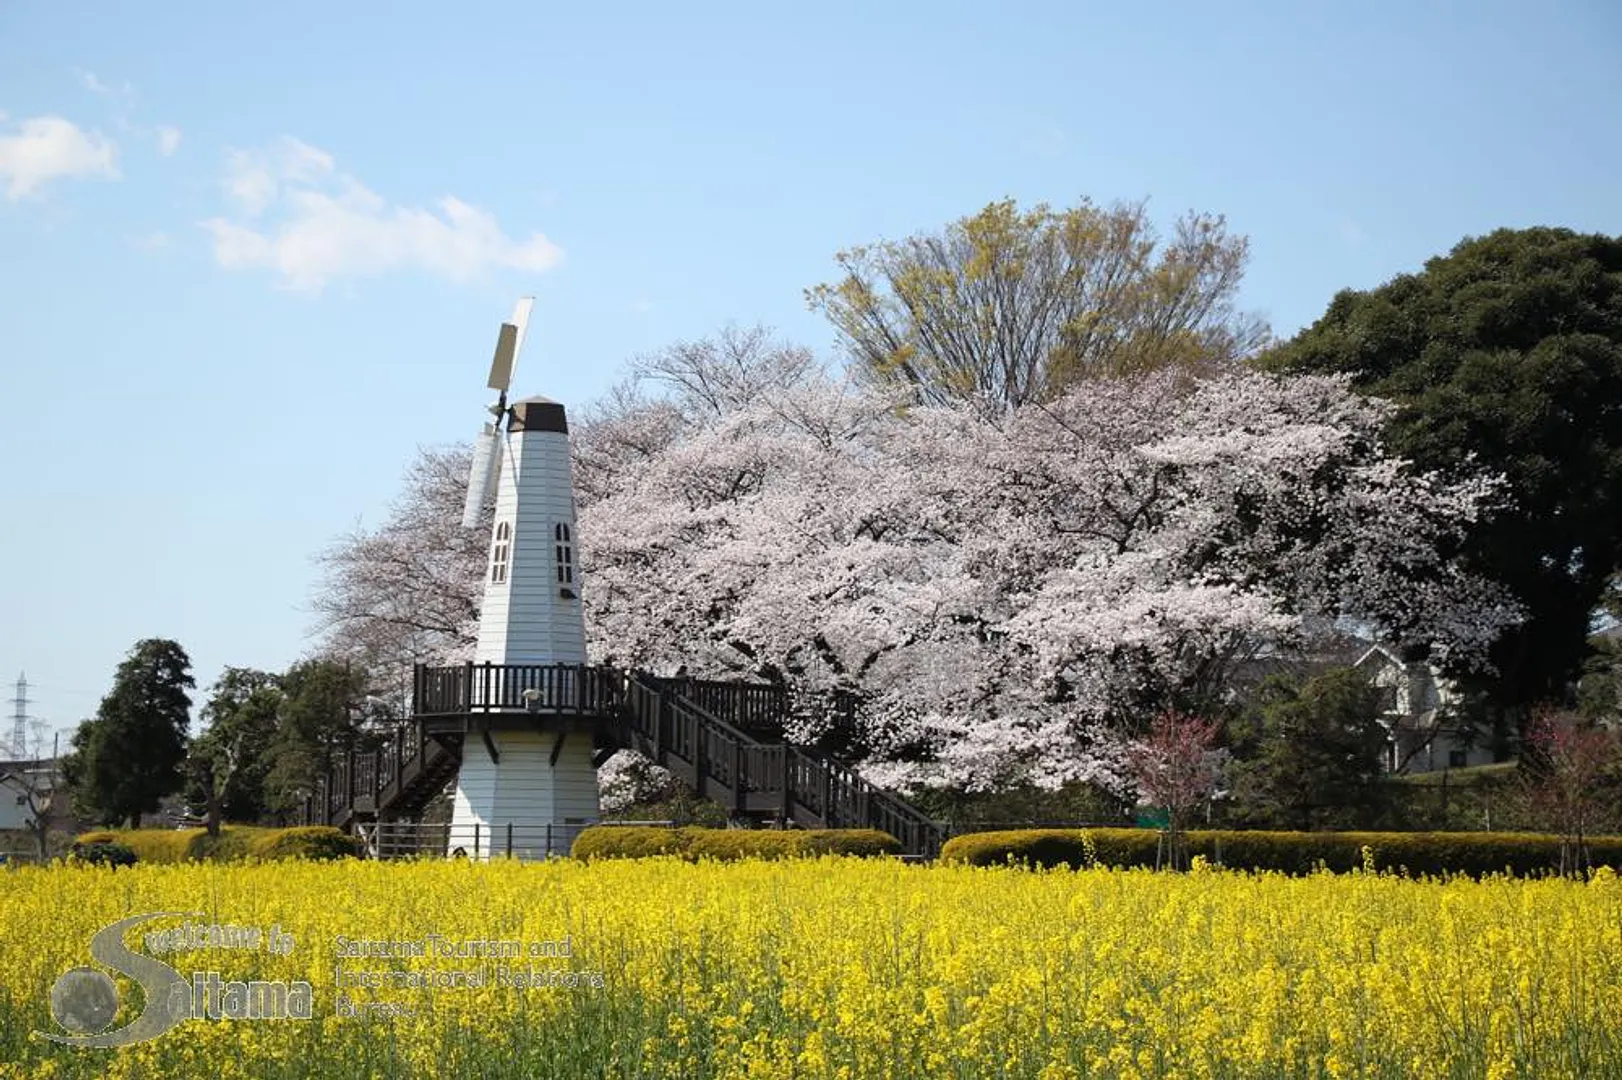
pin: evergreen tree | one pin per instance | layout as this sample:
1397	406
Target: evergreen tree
318	723
129	756
1505	356
1310	755
229	761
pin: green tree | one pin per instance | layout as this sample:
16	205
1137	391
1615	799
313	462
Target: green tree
1009	306
1310	755
1599	693
318	722
126	759
229	762
1506	356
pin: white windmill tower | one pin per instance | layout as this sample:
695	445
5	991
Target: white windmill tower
522	769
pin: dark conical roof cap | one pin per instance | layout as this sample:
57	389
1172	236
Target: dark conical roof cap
538	414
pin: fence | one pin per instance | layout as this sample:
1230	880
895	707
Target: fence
476	840
572	688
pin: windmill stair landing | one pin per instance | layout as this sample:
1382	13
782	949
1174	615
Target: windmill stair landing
724	740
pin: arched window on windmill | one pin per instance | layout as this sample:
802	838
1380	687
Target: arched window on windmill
501	553
565	554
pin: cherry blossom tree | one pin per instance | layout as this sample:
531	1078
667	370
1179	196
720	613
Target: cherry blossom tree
1176	768
1008	595
407	590
1572	768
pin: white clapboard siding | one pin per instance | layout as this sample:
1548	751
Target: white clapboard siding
526	619
523	788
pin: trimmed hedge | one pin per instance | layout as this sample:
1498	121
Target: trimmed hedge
1524	854
307	842
234	842
695	842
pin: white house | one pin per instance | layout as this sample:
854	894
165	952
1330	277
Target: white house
1424	736
17	780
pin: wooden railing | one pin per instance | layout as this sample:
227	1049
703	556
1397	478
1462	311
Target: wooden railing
370	781
751	707
477	688
722	762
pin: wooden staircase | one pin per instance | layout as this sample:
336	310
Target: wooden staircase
751	778
396	781
724	740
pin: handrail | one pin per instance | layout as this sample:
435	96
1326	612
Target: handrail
743	705
831	790
487	687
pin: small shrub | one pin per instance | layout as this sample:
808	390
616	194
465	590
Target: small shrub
683	808
865	843
102	853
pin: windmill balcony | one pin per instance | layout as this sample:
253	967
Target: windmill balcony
516	695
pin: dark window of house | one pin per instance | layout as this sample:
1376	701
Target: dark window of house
501	553
565	553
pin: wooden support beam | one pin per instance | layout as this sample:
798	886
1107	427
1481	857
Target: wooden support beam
489	743
788	784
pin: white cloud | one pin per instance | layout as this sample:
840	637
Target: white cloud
301	217
168	139
254	179
47	148
1352	234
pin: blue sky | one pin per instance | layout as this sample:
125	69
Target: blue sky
253	255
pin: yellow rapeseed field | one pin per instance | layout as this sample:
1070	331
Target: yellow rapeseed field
830	968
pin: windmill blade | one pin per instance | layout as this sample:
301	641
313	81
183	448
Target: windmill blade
508	344
478	477
492	479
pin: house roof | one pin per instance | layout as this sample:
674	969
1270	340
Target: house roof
1380	652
